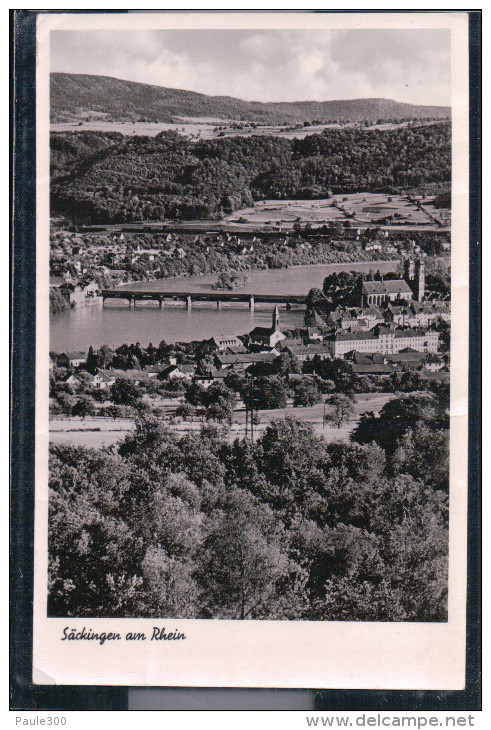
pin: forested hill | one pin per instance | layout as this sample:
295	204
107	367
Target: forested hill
104	178
79	96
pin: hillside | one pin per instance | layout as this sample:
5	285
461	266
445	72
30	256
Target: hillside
101	178
78	96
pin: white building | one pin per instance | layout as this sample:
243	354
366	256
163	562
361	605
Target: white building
384	340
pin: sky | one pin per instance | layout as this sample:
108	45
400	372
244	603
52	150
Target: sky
269	65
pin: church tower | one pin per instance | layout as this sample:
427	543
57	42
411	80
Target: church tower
414	275
276	319
409	269
419	280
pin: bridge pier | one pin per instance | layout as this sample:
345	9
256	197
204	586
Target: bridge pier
251	303
189	303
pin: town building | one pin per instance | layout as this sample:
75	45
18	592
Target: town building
376	293
78	294
417	314
177	372
224	342
242	361
134	375
267	336
71	359
386	340
308	352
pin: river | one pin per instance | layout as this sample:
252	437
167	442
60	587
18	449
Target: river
115	323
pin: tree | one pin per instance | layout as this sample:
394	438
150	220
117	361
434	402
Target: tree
242	560
399	416
65	403
83	407
94	555
265	393
316	300
306	393
219	402
424	454
194	393
115	411
286	363
340	409
92	362
185	411
234	381
105	355
338	371
125	393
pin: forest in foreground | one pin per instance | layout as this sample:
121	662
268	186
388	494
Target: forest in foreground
286	527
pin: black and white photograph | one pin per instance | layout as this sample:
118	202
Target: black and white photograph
251	270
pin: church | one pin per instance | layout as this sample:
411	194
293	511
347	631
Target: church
377	293
267	336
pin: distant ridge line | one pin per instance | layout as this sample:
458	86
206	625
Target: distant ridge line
82	96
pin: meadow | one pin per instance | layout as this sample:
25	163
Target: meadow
362	208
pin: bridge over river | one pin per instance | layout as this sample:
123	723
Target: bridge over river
134	295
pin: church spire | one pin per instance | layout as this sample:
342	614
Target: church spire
276	319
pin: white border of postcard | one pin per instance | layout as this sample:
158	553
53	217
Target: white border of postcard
222	653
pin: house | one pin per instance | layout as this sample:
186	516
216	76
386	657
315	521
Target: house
370	316
71	359
153	371
177	372
308	352
135	376
101	381
72	380
408	358
267	336
210	377
434	363
417	314
314	334
79	294
224	342
373	368
242	361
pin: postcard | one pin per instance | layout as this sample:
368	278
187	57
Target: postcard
251	350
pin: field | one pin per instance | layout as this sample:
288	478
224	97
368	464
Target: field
359	208
206	128
82	433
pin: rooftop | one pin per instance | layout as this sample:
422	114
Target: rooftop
389	286
246	358
307	349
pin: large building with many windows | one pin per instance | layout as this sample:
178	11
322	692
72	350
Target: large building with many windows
385	340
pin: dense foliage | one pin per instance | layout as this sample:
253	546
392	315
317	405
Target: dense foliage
57	302
153	178
288	527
